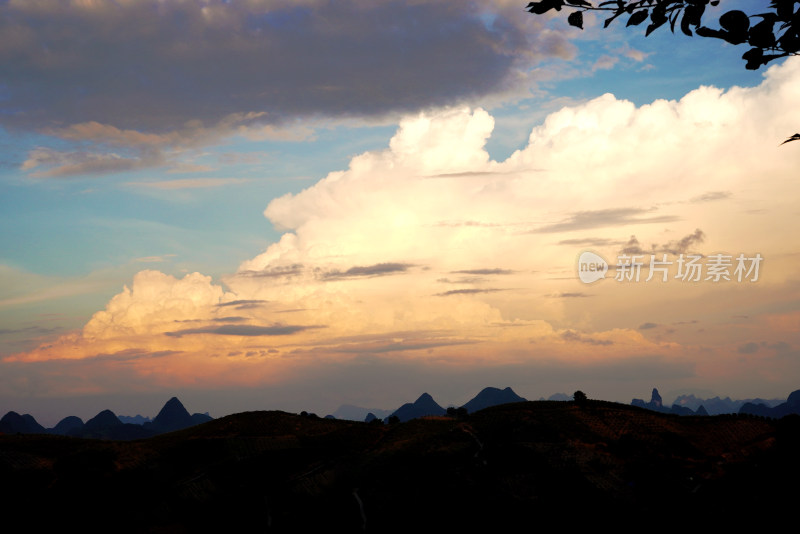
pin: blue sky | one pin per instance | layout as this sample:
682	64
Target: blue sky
151	137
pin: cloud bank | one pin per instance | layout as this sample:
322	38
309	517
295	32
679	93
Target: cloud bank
362	268
141	78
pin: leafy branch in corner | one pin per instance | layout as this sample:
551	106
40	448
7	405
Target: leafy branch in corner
770	35
774	34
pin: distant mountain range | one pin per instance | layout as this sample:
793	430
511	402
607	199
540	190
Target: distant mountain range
426	406
357	413
717	405
106	425
691	405
791	406
174	416
135	420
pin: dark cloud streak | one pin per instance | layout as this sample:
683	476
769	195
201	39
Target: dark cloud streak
484	271
243	330
369	271
583	220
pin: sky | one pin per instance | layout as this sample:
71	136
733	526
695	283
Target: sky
273	204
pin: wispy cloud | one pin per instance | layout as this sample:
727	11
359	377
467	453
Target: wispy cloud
573	336
189	183
583	220
243	304
44	162
473	291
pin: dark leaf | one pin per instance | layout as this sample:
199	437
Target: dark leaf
672	18
735	21
653	26
686	21
790	42
637	18
692	16
761	34
784	9
770	57
540	8
576	19
580	3
772	17
610	20
658	16
754	58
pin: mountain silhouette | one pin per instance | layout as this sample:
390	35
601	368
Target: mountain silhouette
103	420
135	419
106	425
69	424
357	413
492	397
656	405
424	405
791	406
174	416
717	405
14	423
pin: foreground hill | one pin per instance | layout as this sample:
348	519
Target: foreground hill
521	465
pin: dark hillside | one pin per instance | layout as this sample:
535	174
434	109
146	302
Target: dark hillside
520	465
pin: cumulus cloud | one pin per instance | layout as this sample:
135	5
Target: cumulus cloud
364	251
